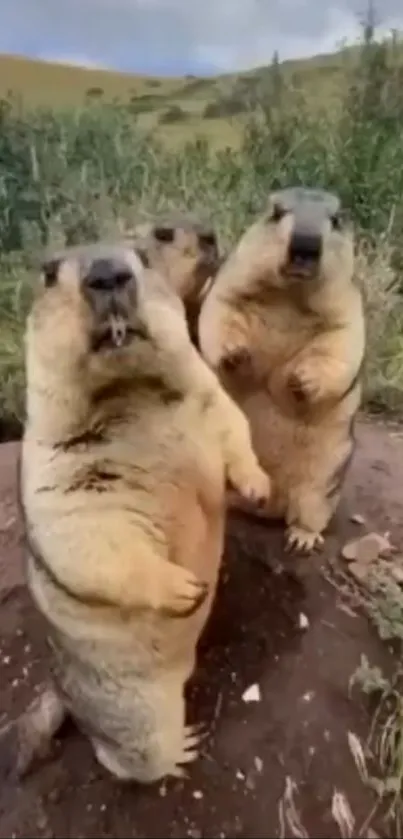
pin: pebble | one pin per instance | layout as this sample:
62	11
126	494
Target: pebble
252	694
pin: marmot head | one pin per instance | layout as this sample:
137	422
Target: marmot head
184	249
92	311
301	241
101	324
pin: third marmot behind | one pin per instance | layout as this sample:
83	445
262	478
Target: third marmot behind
186	251
283	325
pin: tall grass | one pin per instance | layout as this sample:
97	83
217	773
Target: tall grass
68	176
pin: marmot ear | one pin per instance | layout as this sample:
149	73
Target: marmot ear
340	219
164	234
142	255
50	271
275	213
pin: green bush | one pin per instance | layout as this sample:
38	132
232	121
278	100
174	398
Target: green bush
94	93
173	114
226	106
68	176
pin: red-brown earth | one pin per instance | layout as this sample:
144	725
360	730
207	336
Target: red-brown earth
277	624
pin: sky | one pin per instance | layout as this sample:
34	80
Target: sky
171	37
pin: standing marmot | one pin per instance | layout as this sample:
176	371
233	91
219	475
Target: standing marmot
186	252
284	325
128	443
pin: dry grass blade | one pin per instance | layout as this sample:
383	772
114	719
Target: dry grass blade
343	815
289	817
358	756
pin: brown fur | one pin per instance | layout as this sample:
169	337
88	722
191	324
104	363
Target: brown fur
125	457
289	349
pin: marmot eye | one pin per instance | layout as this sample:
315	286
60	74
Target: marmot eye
164	234
50	271
207	240
336	221
278	212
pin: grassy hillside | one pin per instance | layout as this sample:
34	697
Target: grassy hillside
156	101
46	83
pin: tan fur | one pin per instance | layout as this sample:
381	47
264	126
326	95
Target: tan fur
189	261
289	349
125	458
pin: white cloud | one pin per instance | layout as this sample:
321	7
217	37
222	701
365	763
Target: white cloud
74	61
222	35
248	43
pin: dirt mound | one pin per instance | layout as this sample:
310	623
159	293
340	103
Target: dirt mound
277	637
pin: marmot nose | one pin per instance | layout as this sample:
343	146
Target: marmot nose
108	275
305	247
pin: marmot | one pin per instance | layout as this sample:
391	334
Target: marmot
128	443
186	251
283	324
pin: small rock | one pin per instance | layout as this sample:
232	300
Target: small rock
250	782
303	621
357	519
258	763
41	820
54	795
197	793
240	775
360	572
252	694
367	548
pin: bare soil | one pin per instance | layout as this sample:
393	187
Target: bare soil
278	624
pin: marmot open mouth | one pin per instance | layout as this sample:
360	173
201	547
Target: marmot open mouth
110	338
300	269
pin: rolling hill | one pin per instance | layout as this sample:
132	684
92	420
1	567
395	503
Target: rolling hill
174	107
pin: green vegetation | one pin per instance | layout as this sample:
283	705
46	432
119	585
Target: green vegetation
209	103
377	591
173	114
74	173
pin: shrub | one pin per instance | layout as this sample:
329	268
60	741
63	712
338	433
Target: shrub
173	114
94	93
225	107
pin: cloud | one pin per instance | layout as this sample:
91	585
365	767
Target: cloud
177	36
74	61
